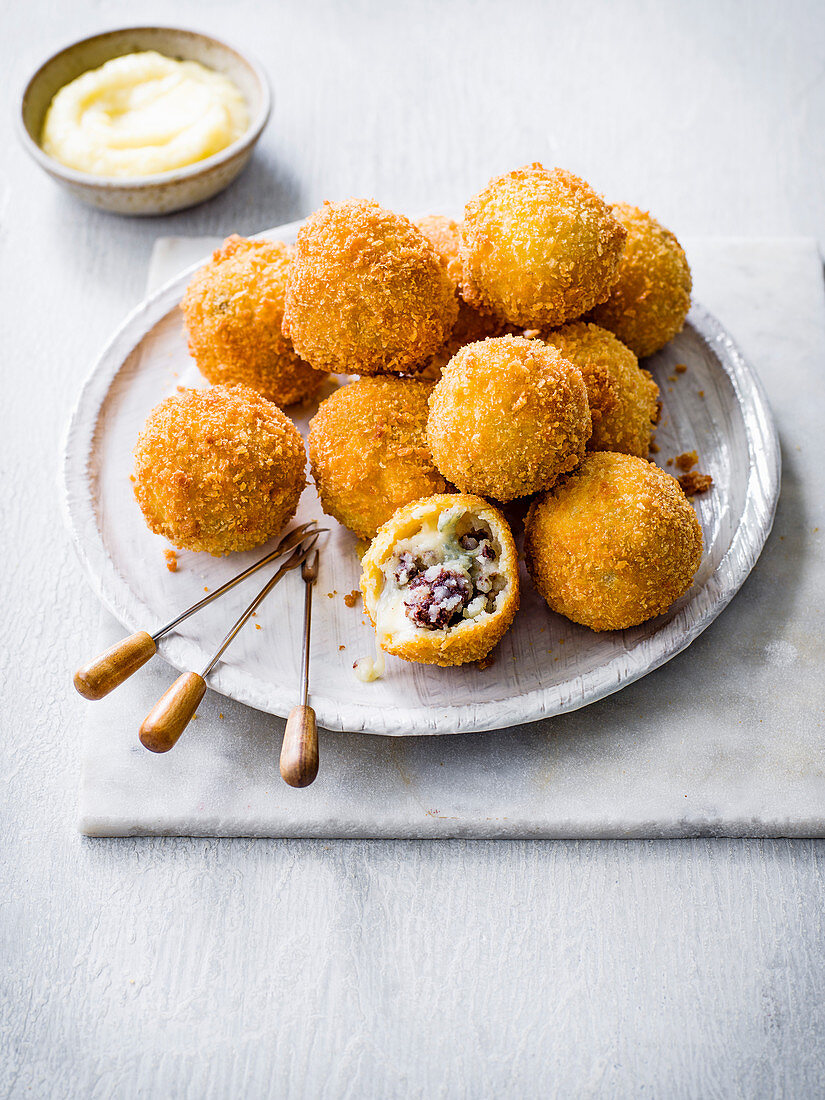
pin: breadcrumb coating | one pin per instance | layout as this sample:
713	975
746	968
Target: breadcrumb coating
367	293
615	544
508	417
651	297
687	460
694	482
369	454
233	309
473	638
539	247
444	234
623	398
218	469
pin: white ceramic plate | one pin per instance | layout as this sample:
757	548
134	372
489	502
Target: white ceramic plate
544	666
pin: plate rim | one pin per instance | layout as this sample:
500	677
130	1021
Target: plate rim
746	544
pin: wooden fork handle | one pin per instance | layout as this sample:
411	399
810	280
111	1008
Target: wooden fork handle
110	669
172	713
299	752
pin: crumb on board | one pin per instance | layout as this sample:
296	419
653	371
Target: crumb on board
258	626
351	598
654	448
701	393
686	460
171	560
694	482
680	368
340	647
220	715
669	462
205	588
671	378
330	595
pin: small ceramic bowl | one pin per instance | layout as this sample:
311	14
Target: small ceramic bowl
167	191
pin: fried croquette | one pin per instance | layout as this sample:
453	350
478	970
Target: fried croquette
367	293
614	544
368	451
233	309
508	417
444	234
651	296
539	247
440	580
623	398
218	469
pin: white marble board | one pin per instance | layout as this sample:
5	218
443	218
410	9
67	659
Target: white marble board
611	770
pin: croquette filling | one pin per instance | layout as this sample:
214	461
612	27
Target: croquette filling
442	575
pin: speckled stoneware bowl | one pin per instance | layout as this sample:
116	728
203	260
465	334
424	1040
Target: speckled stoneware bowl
167	191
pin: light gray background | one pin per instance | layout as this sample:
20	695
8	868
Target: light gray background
244	968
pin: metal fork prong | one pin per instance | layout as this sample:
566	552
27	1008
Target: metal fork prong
288	542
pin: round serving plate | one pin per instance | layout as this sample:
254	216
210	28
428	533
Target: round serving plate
544	666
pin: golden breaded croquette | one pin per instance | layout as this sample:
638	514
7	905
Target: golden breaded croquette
233	309
367	293
218	469
444	234
651	297
623	398
614	544
368	451
508	417
539	247
440	581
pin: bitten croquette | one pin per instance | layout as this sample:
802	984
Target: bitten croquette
623	398
368	451
440	580
650	299
508	417
614	544
233	309
218	469
539	247
367	293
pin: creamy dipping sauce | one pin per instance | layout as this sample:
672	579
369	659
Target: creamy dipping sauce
142	114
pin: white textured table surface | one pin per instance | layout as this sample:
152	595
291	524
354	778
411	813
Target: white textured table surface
199	969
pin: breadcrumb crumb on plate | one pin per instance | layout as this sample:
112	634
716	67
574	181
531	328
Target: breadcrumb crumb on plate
731	429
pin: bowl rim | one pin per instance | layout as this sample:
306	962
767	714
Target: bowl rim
131	183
